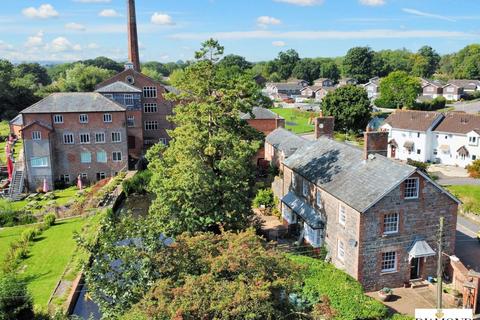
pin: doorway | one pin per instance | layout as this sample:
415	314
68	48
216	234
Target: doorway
415	269
394	152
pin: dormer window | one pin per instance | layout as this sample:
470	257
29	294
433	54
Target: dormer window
411	188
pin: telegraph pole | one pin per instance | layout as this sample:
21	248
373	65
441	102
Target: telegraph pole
440	266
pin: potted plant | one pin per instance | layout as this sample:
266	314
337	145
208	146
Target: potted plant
385	294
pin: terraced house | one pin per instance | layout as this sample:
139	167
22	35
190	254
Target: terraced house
378	218
67	135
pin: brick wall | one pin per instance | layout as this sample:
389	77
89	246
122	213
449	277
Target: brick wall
376	142
324	127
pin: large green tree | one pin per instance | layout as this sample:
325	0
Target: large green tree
203	180
235	61
286	62
466	63
350	106
386	61
358	64
307	69
83	78
425	62
399	90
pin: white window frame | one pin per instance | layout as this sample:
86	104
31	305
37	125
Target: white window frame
150	92
391	222
150	108
57	118
131	121
129	98
36	135
103	153
84	175
115	155
305	188
342	215
107	118
151	125
84	137
410	195
42	162
115	135
85	153
100	134
318	197
68	138
100	174
83	118
387	259
65	178
341	250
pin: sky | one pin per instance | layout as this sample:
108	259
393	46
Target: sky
171	30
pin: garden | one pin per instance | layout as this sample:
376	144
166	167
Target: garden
296	120
469	195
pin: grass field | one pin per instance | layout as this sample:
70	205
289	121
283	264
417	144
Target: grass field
48	256
296	120
470	196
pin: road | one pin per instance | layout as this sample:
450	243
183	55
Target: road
467	247
468	106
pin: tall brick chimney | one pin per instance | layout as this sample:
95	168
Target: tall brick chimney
376	142
324	126
133	52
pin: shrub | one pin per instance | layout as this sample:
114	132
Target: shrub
474	169
49	219
138	184
432	105
29	234
264	197
420	165
345	294
15	301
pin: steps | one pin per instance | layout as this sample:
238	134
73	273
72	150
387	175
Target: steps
17	184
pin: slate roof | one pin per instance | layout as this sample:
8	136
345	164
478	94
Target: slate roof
40	123
341	170
117	87
286	141
260	113
466	84
67	102
303	209
288	86
459	122
17	121
413	120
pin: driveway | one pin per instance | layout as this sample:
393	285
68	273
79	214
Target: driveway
468	106
467	247
451	175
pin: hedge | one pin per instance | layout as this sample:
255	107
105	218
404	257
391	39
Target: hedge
346	296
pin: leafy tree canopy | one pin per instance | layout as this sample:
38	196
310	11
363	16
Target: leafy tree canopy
15	301
399	90
203	180
233	60
358	64
350	106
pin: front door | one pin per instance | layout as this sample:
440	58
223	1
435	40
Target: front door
415	269
394	152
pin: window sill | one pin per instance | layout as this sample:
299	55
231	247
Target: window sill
390	234
388	272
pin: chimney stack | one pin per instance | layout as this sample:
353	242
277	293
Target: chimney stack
376	142
324	126
133	52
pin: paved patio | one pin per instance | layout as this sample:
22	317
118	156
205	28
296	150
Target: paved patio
406	300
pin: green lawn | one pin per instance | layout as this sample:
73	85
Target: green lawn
48	256
470	196
62	197
4	128
296	120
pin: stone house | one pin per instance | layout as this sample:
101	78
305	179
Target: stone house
67	135
377	218
280	144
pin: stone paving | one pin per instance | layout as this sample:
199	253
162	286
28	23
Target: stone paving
406	300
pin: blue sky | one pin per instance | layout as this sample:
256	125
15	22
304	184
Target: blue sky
170	30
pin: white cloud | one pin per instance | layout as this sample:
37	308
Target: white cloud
372	3
45	11
109	13
5	46
62	44
427	14
303	3
75	26
333	34
279	43
93	45
35	41
162	19
93	1
265	21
